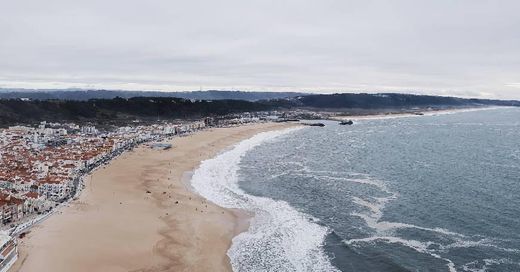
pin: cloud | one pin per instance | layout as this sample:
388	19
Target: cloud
439	47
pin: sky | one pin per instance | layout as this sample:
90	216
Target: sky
466	48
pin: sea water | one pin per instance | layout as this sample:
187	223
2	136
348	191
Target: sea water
422	193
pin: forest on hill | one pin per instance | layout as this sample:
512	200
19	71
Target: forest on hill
120	110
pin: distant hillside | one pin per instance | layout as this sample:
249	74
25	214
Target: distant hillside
120	110
83	95
123	110
332	101
392	100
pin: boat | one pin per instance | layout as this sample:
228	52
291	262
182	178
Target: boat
348	122
8	251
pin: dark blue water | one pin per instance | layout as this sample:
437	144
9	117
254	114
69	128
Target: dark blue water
425	193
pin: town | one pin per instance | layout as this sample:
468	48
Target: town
43	166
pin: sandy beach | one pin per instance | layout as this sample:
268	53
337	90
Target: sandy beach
137	214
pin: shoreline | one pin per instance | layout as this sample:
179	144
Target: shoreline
419	113
275	225
242	217
137	214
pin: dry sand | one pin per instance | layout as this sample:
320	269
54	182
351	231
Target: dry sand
115	225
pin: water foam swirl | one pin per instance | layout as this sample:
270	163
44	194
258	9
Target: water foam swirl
279	238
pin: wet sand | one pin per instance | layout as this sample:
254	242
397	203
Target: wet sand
137	214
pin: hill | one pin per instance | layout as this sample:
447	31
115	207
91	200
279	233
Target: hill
392	101
83	95
119	110
123	110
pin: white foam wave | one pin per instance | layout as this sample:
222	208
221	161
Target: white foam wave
358	178
375	208
422	247
486	242
279	237
385	231
372	217
484	265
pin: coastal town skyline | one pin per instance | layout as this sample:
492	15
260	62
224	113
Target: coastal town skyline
465	49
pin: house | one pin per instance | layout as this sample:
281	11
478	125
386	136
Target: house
11	208
54	188
34	202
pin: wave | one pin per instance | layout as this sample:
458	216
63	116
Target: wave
373	220
485	264
435	249
279	238
486	242
385	231
422	247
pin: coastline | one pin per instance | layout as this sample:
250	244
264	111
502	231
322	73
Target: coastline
274	225
417	114
137	214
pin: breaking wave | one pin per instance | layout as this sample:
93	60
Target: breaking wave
279	238
386	231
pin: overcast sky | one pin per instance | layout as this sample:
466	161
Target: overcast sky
462	48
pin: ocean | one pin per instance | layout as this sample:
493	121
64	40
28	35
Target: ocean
420	193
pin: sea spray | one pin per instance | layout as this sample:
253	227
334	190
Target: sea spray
279	237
